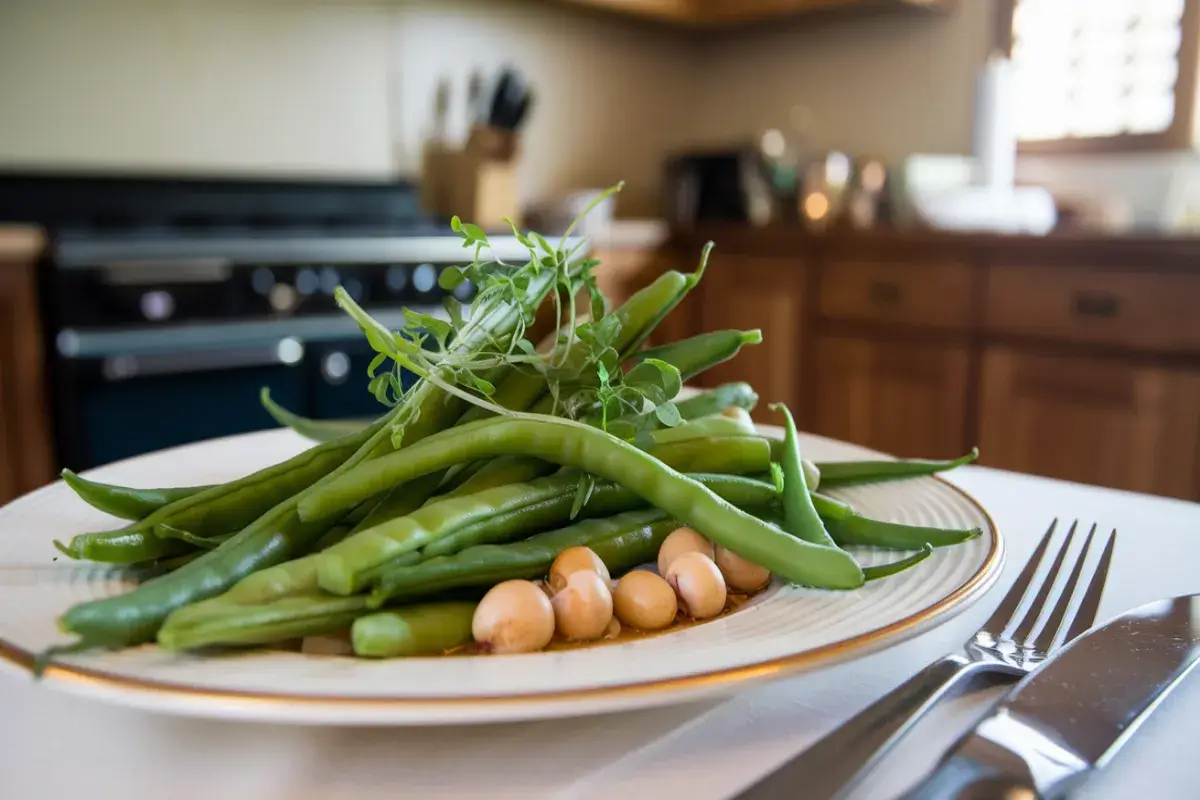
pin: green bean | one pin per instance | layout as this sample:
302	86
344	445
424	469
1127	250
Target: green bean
124	546
637	535
282	602
319	430
695	355
122	501
502	472
399	500
800	517
637	317
549	505
280	534
884	570
736	455
550	500
714	401
850	528
199	542
413	631
647	307
221	508
844	473
704	428
576	445
506	512
331	537
305	614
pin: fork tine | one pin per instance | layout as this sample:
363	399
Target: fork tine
1021	634
1005	612
1089	606
1045	637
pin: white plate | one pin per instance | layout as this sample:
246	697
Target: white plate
782	631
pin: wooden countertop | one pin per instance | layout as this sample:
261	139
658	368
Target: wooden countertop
20	244
782	241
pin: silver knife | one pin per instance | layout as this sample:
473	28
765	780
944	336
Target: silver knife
1068	718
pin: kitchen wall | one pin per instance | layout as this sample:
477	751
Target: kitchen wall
262	86
313	87
613	95
344	89
888	83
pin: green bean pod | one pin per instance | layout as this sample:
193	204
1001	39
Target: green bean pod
502	472
280	534
550	501
896	567
306	614
507	512
221	508
576	445
845	473
715	401
122	501
800	516
850	528
637	535
735	455
706	427
319	430
424	629
696	354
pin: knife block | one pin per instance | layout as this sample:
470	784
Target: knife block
477	182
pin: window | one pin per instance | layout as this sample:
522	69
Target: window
1104	74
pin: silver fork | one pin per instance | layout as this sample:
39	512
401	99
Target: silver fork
1005	646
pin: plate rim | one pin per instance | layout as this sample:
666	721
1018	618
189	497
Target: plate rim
418	709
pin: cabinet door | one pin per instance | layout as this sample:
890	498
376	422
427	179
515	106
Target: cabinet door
1096	421
25	446
904	398
767	294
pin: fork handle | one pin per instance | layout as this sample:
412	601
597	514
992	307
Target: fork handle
836	763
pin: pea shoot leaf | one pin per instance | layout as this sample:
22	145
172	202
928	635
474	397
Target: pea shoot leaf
658	381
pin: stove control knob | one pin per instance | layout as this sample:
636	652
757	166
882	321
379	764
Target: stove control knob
157	306
335	368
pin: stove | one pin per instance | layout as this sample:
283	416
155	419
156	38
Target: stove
169	303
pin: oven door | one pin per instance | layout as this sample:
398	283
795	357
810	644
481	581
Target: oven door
145	396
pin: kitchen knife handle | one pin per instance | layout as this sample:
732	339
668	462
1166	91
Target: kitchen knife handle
1003	758
960	778
841	759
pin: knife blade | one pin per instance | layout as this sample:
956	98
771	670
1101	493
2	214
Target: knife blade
1069	717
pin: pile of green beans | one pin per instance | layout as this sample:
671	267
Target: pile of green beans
391	529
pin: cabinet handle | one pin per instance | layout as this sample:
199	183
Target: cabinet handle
1096	304
884	291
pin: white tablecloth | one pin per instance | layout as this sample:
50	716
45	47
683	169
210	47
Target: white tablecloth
54	745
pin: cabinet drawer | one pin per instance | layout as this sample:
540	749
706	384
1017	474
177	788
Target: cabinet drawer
1130	309
935	294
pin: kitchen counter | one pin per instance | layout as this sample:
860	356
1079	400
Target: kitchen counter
1168	252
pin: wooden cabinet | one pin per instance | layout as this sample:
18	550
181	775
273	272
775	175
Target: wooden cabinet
1092	420
923	292
904	398
763	293
26	460
710	13
1128	308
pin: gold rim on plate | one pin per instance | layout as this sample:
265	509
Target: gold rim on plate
825	655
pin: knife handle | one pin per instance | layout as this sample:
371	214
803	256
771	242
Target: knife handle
1003	758
841	759
962	778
